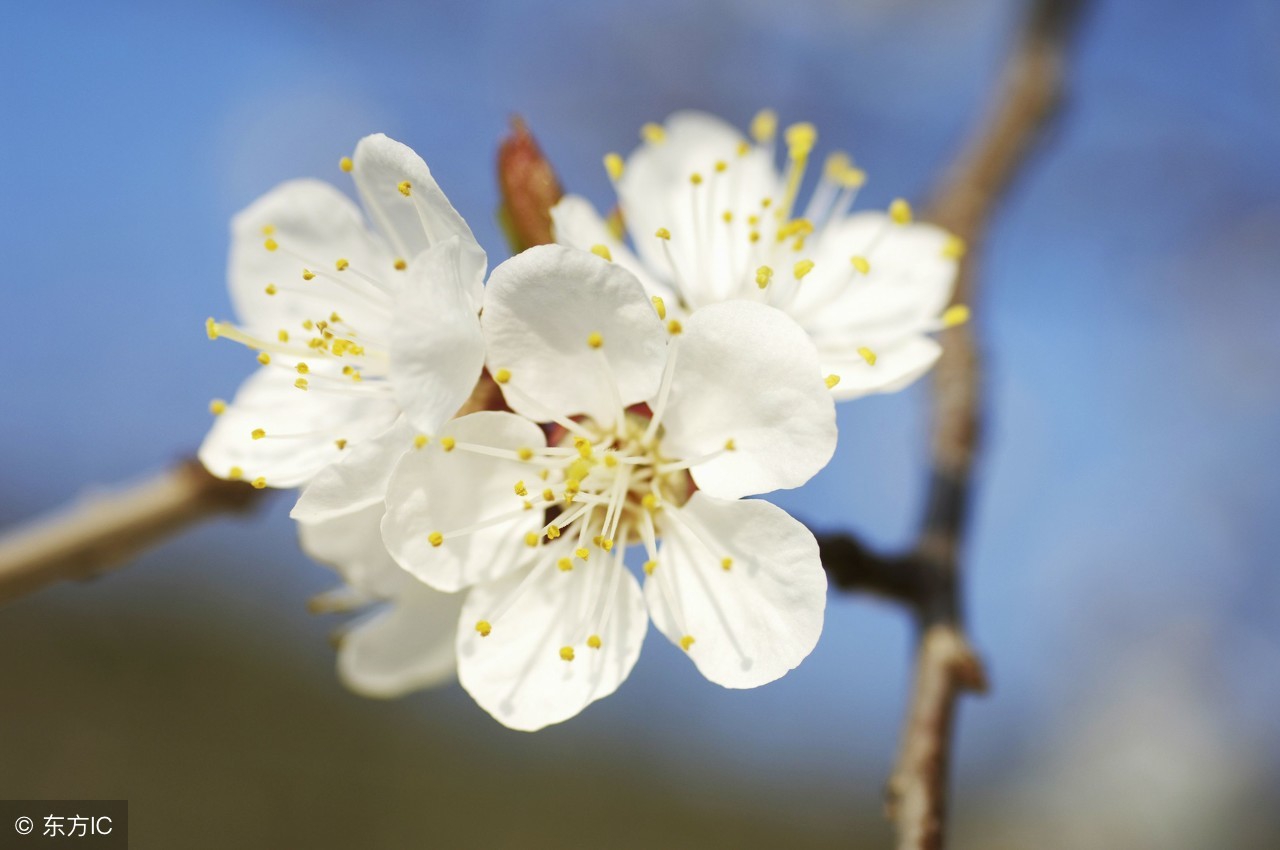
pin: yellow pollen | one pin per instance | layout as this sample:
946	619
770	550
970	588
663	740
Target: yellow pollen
341	264
730	445
663	233
861	264
357	377
610	460
211	328
726	564
335	318
649	501
447	443
721	166
649	567
420	441
346	164
695	178
900	211
868	355
766	203
594	642
308	274
653	133
435	538
613	165
531	539
743	148
566	653
583	445
602	251
764	125
582	554
483	627
303	368
264	358
526	505
502	375
524	453
520	489
405	187
268	229
674	327
954	248
553	531
548	495
340	443
957	314
565	565
282	335
270	244
727	216
400	264
800	140
271	289
595	339
606	544
217	407
301	383
803	268
754	236
660	306
259	483
572	485
258	433
235	473
763	275
832	380
686	642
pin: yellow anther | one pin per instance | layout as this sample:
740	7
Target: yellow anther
347	370
730	445
954	248
596	540
268	229
447	443
532	539
270	244
435	538
566	653
548	495
802	268
405	187
524	453
721	166
800	140
686	642
258	433
303	368
613	165
282	335
565	565
726	564
553	531
727	217
420	441
610	460
795	227
341	264
832	380
957	314
606	544
695	178
837	163
861	264
400	264
346	164
544	474
595	339
235	473
765	203
335	318
653	133
900	211
301	383
615	225
753	236
594	642
484	627
660	306
308	274
868	355
211	328
520	489
526	505
674	327
271	289
649	567
502	375
259	483
572	485
764	125
649	501
357	377
340	443
662	233
582	554
763	275
602	251
583	445
264	358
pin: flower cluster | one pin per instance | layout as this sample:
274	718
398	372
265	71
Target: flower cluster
645	393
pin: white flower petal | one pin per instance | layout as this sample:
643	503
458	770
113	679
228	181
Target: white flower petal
433	490
578	225
415	221
896	366
357	480
437	349
404	647
517	672
302	429
748	373
351	543
312	225
542	308
756	620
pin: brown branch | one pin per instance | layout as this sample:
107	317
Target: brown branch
107	530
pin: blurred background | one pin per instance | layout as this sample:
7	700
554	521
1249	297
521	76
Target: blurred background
1123	584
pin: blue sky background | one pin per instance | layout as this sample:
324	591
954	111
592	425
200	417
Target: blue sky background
1127	509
